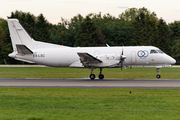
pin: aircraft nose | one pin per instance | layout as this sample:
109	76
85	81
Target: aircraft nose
172	60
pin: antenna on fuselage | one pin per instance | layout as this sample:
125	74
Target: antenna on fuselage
107	45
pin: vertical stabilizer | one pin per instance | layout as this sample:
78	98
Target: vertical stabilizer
18	34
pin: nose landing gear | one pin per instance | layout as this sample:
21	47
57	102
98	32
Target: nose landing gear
158	75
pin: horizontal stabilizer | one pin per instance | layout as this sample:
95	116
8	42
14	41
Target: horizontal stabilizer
22	49
28	61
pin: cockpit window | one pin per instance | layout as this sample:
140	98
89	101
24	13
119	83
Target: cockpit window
160	51
153	51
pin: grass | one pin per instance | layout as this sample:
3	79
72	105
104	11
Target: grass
49	72
89	104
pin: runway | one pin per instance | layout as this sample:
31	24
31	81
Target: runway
87	83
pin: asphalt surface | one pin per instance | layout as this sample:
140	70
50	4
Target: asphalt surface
87	83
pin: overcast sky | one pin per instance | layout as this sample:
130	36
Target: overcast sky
53	10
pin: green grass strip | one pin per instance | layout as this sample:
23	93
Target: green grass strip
49	72
88	104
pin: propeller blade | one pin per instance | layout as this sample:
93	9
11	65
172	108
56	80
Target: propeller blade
122	57
122	52
121	65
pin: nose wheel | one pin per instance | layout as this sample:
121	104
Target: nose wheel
158	75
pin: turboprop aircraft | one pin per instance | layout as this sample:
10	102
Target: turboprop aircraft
28	50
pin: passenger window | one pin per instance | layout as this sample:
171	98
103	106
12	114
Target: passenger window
153	51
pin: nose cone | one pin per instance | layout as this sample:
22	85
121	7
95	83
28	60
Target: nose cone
172	61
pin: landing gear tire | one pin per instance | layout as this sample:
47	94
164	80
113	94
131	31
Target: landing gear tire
101	76
92	76
158	76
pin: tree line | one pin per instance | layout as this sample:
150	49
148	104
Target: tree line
134	27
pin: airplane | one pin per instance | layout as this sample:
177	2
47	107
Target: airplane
27	49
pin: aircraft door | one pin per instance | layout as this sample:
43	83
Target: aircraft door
133	57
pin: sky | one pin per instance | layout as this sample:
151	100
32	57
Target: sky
53	10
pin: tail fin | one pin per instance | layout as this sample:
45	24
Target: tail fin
18	34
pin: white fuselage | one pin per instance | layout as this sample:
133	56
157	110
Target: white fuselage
67	56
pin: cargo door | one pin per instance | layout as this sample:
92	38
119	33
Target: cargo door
133	57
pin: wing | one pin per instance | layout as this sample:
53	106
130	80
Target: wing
87	59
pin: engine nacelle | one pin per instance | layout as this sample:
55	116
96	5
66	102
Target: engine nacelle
108	57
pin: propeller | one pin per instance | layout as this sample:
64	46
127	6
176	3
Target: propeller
122	57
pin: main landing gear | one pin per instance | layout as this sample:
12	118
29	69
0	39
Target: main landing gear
92	76
158	75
